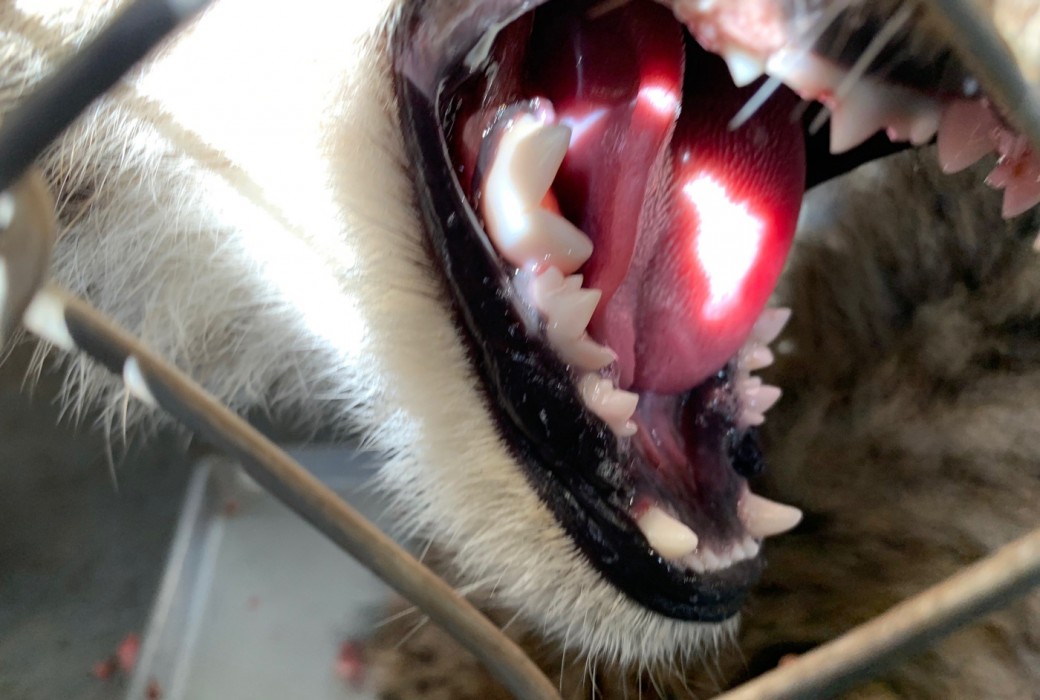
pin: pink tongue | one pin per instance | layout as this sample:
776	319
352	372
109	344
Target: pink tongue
691	221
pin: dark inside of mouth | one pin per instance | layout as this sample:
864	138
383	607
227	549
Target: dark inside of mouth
692	452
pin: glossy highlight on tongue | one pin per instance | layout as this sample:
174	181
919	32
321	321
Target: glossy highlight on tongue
691	221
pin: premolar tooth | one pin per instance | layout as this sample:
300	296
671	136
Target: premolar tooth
769	324
764	518
613	406
525	164
965	134
669	537
586	353
571	313
745	68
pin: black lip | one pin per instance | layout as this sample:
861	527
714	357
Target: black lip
572	464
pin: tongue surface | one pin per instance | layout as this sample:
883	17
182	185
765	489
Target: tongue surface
691	221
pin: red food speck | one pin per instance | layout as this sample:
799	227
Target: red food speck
231	508
126	652
104	670
253	603
350	664
153	691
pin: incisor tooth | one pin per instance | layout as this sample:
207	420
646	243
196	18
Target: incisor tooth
764	518
757	357
763	398
769	324
669	537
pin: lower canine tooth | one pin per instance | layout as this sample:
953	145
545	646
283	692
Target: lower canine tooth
669	537
764	518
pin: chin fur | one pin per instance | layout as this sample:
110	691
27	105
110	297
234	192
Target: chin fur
249	215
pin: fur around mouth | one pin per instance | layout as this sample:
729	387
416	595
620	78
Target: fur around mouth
611	237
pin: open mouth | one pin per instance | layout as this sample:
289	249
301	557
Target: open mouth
612	188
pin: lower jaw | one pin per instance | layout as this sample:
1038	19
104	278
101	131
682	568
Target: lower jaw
533	394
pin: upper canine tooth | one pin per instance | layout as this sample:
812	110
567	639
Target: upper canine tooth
764	518
669	537
525	164
537	153
965	134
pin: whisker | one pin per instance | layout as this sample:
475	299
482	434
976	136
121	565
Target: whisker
873	50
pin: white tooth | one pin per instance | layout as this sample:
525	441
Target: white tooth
571	314
965	134
669	537
925	126
745	68
769	325
710	560
764	518
860	114
537	153
750	418
915	123
761	399
556	241
574	282
757	357
529	155
613	406
585	353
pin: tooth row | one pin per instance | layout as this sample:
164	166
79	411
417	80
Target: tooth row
668	537
969	131
755	397
528	156
539	241
567	309
966	130
707	560
672	539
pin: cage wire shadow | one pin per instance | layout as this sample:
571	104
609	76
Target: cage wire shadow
27	231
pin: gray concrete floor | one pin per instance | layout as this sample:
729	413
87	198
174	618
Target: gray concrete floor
79	560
